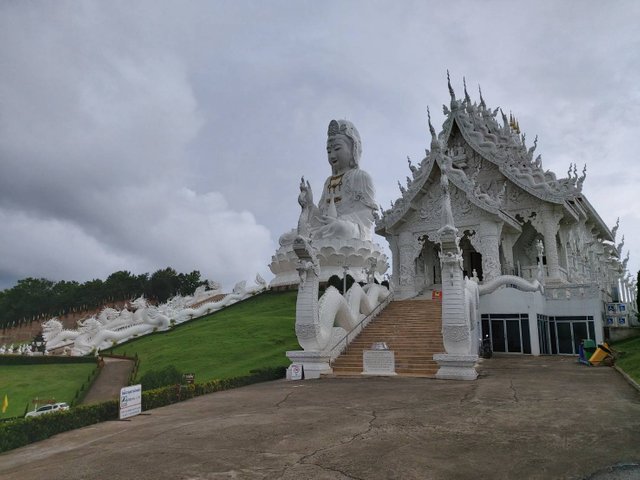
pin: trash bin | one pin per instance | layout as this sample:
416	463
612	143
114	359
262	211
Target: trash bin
589	347
601	353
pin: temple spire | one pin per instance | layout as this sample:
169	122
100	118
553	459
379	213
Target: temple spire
435	145
467	98
452	94
482	104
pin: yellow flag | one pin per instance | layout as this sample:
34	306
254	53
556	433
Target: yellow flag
5	403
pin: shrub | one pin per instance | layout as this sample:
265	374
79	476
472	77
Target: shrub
336	282
168	375
23	431
42	359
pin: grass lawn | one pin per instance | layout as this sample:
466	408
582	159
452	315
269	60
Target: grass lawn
629	359
22	383
251	334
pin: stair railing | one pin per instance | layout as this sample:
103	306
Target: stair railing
342	345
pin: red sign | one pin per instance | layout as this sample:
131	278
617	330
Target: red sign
436	295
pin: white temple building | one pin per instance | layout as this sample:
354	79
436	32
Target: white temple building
513	218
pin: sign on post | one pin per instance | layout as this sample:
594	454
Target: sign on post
130	401
188	378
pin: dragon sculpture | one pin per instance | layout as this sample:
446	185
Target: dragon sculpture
111	327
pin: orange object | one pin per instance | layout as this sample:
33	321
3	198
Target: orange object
436	295
602	352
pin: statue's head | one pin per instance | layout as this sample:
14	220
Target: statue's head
343	141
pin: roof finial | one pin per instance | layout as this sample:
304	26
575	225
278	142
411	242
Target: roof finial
482	104
467	99
582	177
505	120
435	145
614	230
619	247
451	92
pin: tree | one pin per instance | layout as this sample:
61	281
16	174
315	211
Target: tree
164	284
189	282
638	297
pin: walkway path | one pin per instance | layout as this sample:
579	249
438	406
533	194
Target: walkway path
524	418
113	376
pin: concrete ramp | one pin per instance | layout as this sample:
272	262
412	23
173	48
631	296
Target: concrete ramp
112	377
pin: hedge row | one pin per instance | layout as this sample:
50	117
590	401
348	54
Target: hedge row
20	432
42	359
33	429
160	397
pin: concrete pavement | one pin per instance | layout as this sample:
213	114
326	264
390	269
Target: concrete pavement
524	418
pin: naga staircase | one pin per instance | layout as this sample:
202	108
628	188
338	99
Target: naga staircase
411	328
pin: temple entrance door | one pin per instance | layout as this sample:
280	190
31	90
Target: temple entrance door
427	265
471	259
476	264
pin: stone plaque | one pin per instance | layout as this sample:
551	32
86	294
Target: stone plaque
378	362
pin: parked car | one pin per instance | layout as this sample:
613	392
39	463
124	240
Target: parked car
48	408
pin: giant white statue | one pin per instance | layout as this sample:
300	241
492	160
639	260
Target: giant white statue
332	236
340	225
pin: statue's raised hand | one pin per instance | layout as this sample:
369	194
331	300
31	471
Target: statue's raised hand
305	199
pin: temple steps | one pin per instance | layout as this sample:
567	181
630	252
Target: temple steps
411	328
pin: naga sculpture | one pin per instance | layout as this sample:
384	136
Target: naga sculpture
320	323
112	326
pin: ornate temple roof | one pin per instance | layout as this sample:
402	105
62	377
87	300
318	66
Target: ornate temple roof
503	145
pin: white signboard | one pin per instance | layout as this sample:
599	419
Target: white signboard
130	401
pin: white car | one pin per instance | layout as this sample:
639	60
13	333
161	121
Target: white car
49	408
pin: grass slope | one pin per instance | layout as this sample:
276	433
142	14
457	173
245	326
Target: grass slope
22	383
251	334
629	359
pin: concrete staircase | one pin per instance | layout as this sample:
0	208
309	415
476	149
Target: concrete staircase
411	328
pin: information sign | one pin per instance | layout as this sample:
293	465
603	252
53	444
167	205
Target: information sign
130	401
296	371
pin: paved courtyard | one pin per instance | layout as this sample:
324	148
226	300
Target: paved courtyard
524	418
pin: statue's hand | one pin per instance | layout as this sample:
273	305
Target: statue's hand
305	199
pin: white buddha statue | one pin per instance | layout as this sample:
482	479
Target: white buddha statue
340	225
347	204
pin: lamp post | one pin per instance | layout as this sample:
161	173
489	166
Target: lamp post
38	344
345	267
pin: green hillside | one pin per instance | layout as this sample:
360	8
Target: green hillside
23	383
251	334
629	357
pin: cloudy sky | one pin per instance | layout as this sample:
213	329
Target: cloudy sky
138	135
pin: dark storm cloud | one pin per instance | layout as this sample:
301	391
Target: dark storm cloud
137	135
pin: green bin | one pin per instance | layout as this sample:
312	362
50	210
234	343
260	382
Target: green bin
589	347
